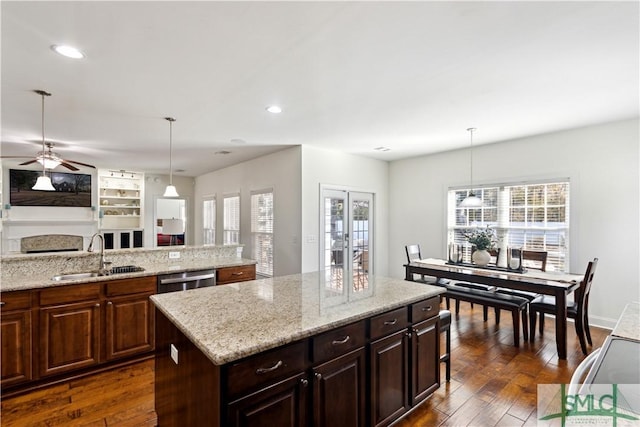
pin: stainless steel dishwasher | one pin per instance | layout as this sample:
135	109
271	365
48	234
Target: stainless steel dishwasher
186	280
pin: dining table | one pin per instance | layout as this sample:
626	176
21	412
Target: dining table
558	284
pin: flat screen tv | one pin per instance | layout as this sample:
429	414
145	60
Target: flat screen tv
72	189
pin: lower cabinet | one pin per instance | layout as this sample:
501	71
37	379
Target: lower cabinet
15	338
339	391
129	317
52	332
69	328
282	404
425	364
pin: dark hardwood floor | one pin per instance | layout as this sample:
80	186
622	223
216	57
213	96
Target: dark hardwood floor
493	384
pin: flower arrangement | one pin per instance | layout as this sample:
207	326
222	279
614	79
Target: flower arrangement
481	239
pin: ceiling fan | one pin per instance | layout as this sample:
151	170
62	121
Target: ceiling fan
47	158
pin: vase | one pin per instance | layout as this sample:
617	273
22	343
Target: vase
481	257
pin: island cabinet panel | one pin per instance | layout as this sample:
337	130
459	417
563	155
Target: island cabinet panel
339	391
425	363
389	378
15	337
283	404
239	273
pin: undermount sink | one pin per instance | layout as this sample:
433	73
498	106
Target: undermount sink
74	276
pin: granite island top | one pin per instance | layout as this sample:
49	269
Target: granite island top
233	321
628	325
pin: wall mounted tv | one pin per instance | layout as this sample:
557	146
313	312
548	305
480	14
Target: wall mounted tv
72	189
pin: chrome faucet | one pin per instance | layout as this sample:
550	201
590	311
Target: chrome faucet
103	262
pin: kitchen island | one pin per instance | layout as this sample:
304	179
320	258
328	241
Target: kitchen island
305	349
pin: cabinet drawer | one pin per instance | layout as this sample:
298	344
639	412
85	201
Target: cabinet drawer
140	285
263	368
425	309
18	300
389	322
338	341
235	274
71	293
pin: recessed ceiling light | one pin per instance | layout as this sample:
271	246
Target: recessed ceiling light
274	109
68	51
222	152
238	141
382	149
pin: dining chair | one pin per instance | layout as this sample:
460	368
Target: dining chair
577	309
534	260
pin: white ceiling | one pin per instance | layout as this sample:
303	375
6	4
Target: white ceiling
350	76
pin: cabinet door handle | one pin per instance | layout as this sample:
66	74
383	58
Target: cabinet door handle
391	322
427	308
109	303
318	375
304	382
2	303
260	371
239	273
97	305
342	341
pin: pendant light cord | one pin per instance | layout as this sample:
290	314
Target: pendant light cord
170	120
471	130
42	94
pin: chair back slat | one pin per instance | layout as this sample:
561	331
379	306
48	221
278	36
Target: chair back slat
538	256
413	253
585	286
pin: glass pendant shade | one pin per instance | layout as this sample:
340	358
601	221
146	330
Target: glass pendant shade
170	191
43	184
471	201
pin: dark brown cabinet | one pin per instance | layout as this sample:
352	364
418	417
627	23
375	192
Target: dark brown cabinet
69	328
425	362
339	391
282	404
389	378
129	317
15	338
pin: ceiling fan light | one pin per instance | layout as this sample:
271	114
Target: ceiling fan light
43	183
170	191
49	163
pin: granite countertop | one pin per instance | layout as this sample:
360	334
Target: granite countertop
36	279
628	325
233	321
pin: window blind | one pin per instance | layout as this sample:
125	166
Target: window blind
231	220
533	216
262	231
209	221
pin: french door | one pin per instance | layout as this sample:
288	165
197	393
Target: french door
347	234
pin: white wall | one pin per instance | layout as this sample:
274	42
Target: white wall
334	168
279	171
602	163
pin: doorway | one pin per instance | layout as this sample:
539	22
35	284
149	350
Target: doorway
346	241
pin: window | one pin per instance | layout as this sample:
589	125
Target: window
532	216
209	221
231	234
262	231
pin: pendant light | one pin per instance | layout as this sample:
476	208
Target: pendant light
471	201
170	191
43	183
